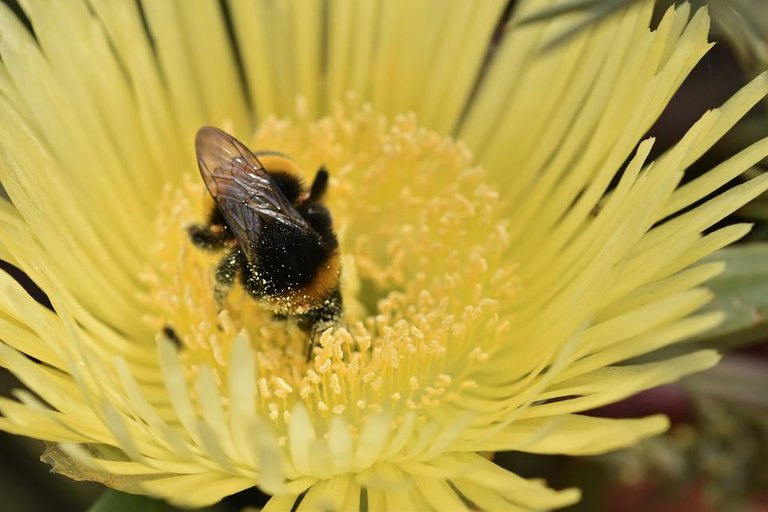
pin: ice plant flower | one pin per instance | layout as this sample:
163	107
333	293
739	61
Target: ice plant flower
495	281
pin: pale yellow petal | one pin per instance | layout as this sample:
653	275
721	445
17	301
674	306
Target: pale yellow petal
574	435
599	387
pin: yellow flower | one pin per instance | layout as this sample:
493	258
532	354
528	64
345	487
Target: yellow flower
493	281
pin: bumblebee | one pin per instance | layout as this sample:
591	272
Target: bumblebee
278	235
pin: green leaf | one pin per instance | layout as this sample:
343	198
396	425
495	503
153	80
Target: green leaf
115	501
741	292
739	380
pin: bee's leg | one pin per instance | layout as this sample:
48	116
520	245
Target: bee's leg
213	236
226	272
316	321
319	185
314	336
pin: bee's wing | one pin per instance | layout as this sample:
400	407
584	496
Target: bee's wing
241	187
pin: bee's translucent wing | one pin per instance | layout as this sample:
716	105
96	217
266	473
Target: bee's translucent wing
243	190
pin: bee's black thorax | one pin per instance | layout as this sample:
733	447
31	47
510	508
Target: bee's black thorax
289	185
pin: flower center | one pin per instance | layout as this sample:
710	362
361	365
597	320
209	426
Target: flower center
423	277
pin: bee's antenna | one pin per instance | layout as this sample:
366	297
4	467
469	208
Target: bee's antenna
319	185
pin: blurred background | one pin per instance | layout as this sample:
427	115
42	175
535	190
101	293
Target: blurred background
715	456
